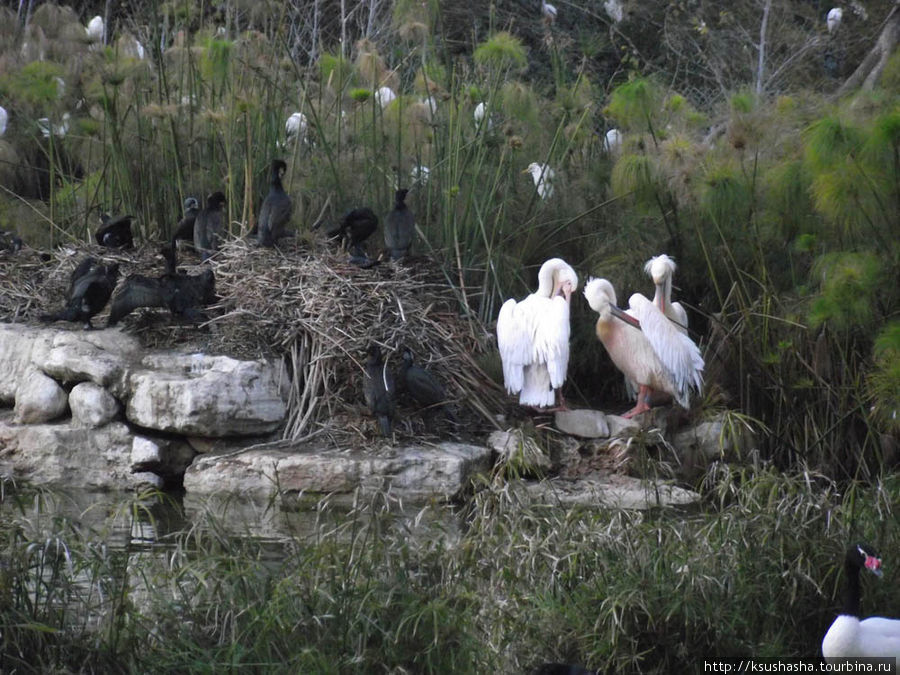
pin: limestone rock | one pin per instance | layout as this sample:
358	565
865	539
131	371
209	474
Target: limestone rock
583	423
701	444
98	356
18	344
204	395
620	427
39	398
63	454
610	491
413	472
92	405
167	458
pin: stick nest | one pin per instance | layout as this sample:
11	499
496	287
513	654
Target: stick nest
315	312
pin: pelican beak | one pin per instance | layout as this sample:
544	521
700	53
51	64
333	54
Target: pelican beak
526	170
624	316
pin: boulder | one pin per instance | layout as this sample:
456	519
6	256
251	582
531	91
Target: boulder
721	438
415	472
17	346
604	491
66	455
98	356
620	427
39	398
583	423
92	405
201	395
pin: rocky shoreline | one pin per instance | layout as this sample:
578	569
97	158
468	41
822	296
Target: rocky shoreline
94	409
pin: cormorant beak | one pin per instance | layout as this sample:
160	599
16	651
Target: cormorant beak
624	316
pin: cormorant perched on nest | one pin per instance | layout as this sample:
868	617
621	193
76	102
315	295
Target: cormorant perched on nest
357	226
184	231
378	387
208	226
182	294
399	227
115	232
276	208
90	288
421	384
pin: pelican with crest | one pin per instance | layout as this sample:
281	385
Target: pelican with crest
533	337
648	348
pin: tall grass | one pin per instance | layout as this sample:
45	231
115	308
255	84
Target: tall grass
498	586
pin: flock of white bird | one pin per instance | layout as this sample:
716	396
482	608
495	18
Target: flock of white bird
648	342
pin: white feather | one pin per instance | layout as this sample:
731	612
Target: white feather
675	350
4	119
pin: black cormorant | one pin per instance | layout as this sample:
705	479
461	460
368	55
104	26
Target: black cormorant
421	384
399	227
378	387
357	226
91	286
276	208
182	294
208	227
184	231
115	232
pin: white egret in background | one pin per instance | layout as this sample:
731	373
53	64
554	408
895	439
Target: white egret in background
96	29
47	127
419	175
833	20
612	142
295	126
543	176
548	12
384	96
533	337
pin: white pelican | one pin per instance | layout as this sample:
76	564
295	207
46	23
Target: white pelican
548	11
384	96
645	346
4	119
543	176
612	142
295	126
850	637
833	20
533	337
95	29
661	269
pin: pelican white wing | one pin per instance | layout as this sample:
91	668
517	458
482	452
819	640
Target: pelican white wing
533	339
675	350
